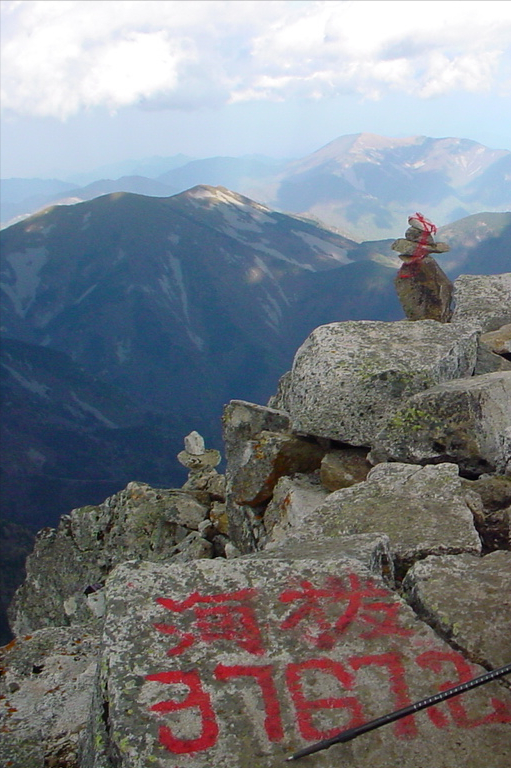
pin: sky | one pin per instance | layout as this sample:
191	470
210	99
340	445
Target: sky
86	83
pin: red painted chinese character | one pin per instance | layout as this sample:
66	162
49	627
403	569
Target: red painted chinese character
315	607
225	616
197	699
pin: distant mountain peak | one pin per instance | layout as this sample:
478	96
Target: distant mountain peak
215	195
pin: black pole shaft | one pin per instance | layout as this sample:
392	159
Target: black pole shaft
352	733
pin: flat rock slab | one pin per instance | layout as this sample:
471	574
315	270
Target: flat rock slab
467	421
421	509
46	691
469	600
482	301
349	378
239	664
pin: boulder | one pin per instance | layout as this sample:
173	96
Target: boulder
343	467
482	301
268	457
242	421
294	499
259	449
468	601
491	510
421	509
67	562
498	341
241	663
349	378
46	693
371	549
467	421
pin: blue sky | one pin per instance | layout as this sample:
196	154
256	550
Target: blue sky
86	82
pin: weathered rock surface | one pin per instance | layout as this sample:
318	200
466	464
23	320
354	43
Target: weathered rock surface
258	456
349	378
482	301
294	500
371	549
467	421
468	600
421	509
424	290
140	523
491	509
268	457
46	691
343	467
241	664
498	341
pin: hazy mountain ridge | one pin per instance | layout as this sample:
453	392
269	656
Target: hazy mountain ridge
363	184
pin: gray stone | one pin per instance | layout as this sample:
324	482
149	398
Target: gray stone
498	341
281	398
138	522
240	663
46	694
424	290
421	509
482	301
194	443
243	421
467	600
489	362
193	547
207	480
343	467
294	499
349	378
467	421
491	510
371	549
405	247
268	457
210	458
182	509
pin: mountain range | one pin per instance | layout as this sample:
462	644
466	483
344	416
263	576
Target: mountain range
362	184
129	321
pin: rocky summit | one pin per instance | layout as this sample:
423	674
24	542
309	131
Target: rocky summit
353	558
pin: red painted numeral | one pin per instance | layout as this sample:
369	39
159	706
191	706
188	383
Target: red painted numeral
306	708
405	728
264	678
198	699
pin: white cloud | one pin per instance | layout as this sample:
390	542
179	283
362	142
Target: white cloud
61	57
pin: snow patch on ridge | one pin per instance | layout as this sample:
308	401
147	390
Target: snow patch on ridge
323	246
33	386
26	267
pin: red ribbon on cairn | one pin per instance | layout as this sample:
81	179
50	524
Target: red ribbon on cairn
419	221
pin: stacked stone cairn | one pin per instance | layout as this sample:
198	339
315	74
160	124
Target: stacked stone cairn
424	290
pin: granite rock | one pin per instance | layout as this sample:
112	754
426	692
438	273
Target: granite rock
240	663
482	301
349	378
468	600
467	421
422	510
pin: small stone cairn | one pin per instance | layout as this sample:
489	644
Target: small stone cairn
424	290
